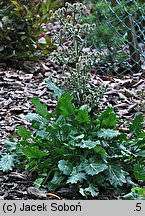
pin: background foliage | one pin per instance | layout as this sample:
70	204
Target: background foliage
21	29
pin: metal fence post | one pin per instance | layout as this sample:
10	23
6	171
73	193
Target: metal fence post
133	44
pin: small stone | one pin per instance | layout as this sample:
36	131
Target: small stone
36	193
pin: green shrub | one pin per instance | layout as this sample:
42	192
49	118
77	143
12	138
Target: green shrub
69	147
22	35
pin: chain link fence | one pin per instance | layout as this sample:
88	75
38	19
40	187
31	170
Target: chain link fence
120	36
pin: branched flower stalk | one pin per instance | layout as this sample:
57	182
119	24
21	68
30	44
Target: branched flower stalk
72	52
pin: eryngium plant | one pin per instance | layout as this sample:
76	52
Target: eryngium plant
72	52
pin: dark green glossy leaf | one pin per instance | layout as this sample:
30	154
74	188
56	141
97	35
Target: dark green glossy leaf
83	116
65	105
100	150
34	152
137	124
23	132
41	109
108	118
